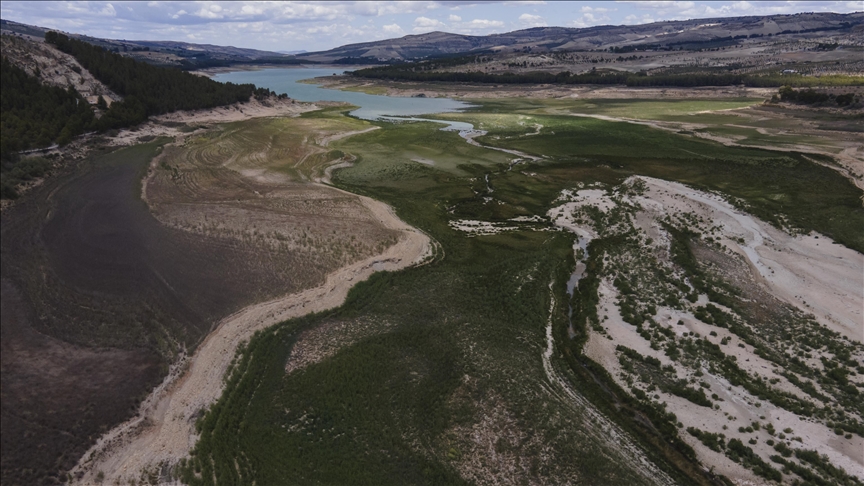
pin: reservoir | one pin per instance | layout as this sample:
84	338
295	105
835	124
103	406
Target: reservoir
371	107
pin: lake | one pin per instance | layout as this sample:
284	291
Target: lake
372	107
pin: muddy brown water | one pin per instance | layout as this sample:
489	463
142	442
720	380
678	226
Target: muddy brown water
92	287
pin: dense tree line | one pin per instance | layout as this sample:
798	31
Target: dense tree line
811	97
35	115
148	90
407	72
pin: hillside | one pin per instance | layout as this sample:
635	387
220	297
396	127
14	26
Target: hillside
558	39
686	34
53	67
167	53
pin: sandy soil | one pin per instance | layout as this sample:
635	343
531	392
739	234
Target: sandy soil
809	272
164	428
604	428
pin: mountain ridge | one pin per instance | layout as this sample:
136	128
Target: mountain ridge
552	39
441	44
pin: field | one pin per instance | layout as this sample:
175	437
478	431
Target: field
438	374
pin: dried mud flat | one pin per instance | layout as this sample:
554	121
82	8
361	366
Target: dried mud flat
163	432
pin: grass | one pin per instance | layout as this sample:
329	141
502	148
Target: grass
387	154
626	108
460	339
778	187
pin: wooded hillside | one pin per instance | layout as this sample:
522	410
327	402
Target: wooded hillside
147	90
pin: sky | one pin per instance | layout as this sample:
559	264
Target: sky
314	25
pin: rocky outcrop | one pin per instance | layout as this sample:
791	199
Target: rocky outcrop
53	67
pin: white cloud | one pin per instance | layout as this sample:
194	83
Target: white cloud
206	13
425	24
660	4
484	23
393	29
284	25
478	27
633	19
251	10
378	8
589	19
529	20
108	10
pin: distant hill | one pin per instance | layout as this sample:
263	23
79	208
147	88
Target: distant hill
438	44
551	39
168	53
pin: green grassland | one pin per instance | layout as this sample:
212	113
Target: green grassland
459	340
645	109
784	188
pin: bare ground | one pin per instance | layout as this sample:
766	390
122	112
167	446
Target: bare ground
809	273
164	428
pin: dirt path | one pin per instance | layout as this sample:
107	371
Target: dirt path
163	431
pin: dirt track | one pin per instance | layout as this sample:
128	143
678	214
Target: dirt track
164	428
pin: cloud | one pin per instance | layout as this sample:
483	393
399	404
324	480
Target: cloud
378	9
393	29
108	10
633	19
425	24
485	24
320	25
661	4
529	20
591	18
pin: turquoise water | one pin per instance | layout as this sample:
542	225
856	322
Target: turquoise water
372	107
